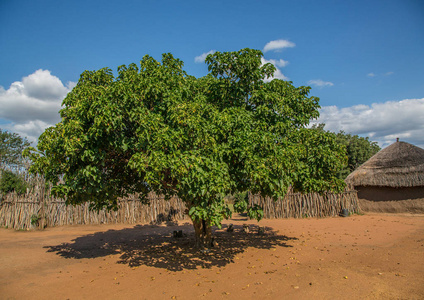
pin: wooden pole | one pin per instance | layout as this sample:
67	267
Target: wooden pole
42	221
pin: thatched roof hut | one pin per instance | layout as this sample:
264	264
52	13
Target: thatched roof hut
399	165
396	173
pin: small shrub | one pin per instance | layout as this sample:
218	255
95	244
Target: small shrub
10	182
34	219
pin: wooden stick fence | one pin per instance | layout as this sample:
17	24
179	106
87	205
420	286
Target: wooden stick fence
17	211
297	205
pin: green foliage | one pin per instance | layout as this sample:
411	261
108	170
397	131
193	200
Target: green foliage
10	182
11	147
34	219
255	212
155	128
358	149
241	202
212	212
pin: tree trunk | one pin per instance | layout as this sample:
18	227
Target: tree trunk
203	234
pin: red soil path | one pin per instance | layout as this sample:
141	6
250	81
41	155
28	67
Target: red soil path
375	256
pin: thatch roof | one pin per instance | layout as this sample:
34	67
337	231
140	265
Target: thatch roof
399	165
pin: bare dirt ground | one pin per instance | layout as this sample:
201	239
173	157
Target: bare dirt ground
374	256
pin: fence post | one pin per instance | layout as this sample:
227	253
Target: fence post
42	221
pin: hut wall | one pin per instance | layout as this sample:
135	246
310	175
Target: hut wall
399	206
391	200
372	193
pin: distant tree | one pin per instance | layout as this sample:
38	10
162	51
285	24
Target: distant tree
11	182
154	128
11	147
358	149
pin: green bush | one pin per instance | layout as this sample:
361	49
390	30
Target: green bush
34	219
10	182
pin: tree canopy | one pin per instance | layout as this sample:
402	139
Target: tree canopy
11	182
358	149
11	162
11	147
155	128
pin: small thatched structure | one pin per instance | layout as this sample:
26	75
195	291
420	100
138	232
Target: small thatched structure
392	180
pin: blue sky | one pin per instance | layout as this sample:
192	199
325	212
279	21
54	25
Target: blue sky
364	59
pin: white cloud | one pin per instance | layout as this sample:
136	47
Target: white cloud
201	58
279	75
277	63
278	45
320	83
42	85
31	128
382	122
33	104
384	74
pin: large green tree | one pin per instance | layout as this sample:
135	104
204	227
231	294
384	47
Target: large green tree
155	128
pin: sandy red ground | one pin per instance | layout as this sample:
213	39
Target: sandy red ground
376	256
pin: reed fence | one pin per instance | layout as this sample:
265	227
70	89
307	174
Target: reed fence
38	209
297	205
